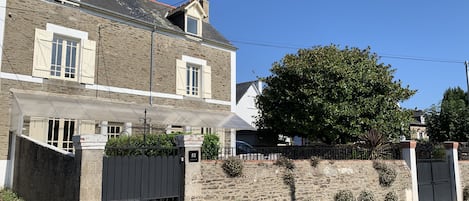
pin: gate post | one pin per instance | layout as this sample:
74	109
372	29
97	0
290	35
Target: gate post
408	155
191	146
452	157
89	152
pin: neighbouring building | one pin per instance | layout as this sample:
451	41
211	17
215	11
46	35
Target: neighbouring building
418	128
73	67
246	108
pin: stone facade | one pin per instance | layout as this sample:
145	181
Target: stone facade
122	59
262	180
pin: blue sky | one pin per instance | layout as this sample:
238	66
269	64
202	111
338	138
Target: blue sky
417	30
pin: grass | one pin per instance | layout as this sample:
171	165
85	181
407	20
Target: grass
9	195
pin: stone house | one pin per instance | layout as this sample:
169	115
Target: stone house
73	67
418	128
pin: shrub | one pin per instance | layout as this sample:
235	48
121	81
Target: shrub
366	196
210	146
156	145
466	193
233	166
285	162
344	195
9	195
289	178
315	160
391	196
387	174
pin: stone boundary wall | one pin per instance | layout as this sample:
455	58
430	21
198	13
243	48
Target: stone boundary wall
464	173
44	174
262	180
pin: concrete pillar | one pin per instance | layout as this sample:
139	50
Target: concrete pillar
128	128
89	152
452	157
191	145
408	155
103	127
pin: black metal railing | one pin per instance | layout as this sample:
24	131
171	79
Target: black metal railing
389	152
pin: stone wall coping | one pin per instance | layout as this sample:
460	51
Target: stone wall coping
451	145
408	144
89	141
189	140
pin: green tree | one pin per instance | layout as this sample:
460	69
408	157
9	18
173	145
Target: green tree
333	95
449	121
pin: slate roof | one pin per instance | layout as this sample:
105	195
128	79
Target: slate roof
241	89
153	12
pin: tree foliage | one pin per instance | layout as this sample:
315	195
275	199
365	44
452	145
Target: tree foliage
333	95
449	121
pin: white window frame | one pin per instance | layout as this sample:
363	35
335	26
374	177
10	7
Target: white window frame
197	26
193	79
60	135
114	130
64	63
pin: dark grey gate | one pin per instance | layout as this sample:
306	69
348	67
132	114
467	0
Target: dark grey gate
158	178
433	175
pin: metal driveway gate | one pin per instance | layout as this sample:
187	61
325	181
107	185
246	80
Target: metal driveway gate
158	178
433	175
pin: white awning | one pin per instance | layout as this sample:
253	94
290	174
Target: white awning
41	104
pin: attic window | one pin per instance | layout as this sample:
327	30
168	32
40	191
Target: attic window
192	25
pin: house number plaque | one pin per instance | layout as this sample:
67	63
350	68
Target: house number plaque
193	156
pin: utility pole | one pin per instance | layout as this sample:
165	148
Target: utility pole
466	63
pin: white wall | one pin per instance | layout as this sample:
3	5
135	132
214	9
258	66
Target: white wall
246	107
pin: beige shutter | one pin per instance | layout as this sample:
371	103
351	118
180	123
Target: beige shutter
38	128
42	53
87	127
88	61
207	82
180	77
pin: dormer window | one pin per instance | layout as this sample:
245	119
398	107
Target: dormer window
192	25
189	17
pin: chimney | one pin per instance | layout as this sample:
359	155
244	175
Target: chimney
206	7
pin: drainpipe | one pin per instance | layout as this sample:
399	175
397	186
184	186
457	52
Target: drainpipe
151	64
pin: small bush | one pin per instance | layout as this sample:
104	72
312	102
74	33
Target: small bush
465	193
285	162
315	160
210	147
344	195
9	195
391	196
387	174
366	196
289	178
233	166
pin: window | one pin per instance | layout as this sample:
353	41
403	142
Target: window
113	131
192	25
64	65
64	53
192	80
193	77
60	133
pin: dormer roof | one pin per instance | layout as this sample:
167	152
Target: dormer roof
192	5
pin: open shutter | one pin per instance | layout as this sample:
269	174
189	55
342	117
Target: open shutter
88	61
38	128
207	82
180	77
42	53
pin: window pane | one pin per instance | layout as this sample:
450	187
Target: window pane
59	53
188	80
65	137
56	130
54	51
192	25
49	132
72	130
67	56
